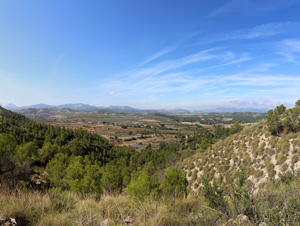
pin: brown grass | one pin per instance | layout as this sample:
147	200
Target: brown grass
40	209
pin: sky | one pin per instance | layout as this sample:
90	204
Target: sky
190	54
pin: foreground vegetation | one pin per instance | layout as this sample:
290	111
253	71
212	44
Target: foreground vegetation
277	205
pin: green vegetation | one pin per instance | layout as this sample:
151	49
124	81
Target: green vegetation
281	119
53	175
83	162
278	204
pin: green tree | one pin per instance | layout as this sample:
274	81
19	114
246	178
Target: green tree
26	152
292	119
91	181
112	179
56	169
1	120
143	187
7	144
273	122
48	151
280	109
297	104
174	183
74	173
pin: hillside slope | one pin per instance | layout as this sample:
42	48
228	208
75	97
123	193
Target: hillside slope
262	155
7	114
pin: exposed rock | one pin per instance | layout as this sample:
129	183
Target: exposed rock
263	224
105	222
129	220
240	220
8	221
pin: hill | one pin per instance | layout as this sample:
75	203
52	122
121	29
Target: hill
265	151
7	114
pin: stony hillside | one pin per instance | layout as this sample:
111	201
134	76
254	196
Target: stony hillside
263	155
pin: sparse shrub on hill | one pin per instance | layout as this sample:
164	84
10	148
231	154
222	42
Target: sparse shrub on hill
295	158
278	203
281	158
236	128
241	197
214	194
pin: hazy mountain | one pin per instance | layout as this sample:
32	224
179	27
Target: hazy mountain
123	108
10	107
79	106
128	109
37	106
173	111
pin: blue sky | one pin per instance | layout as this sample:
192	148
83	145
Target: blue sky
188	54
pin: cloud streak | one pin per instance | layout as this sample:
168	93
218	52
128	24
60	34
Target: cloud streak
157	55
253	6
290	49
260	31
215	73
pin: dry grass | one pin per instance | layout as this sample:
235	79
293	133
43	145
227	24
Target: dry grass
295	158
68	208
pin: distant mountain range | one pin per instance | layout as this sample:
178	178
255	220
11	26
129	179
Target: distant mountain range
127	109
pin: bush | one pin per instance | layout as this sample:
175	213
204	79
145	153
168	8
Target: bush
214	195
242	199
279	204
174	183
143	187
295	158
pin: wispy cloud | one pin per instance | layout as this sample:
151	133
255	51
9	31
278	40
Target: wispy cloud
253	6
198	76
239	60
174	64
263	67
157	55
260	31
290	49
213	86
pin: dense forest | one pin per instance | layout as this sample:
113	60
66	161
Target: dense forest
84	162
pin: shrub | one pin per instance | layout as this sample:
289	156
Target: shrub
194	175
214	195
258	173
270	170
295	158
143	187
242	199
281	159
174	183
279	204
284	167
